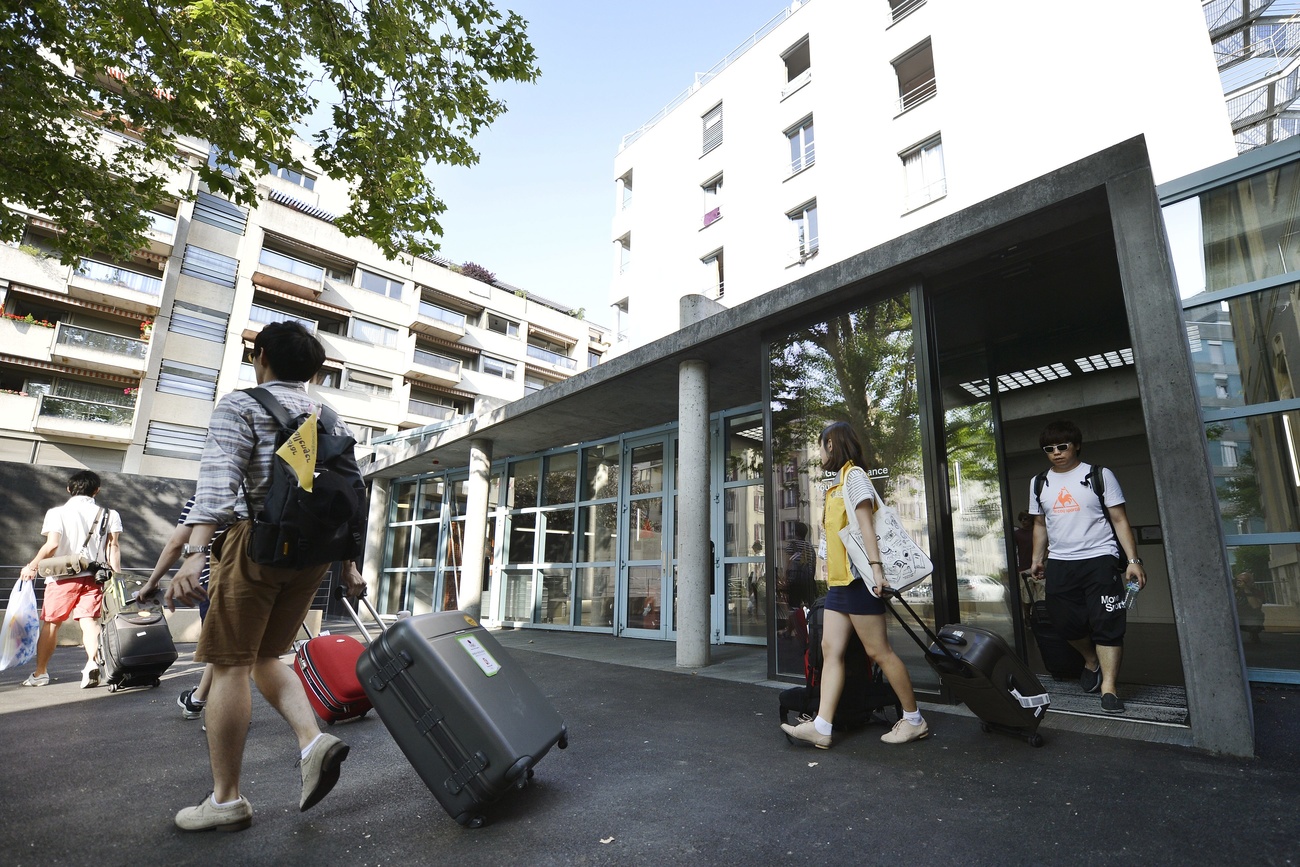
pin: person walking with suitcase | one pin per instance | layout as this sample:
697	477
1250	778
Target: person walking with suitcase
1084	576
853	602
254	610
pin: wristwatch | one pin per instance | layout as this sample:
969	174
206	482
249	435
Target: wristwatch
1135	561
188	549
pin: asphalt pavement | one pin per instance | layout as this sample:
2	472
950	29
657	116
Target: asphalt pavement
663	767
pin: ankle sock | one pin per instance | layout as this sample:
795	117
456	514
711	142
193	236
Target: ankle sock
307	749
913	716
227	803
823	727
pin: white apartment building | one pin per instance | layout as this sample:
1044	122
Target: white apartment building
840	124
115	365
1257	48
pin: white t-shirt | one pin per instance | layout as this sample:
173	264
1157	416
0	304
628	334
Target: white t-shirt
1077	529
72	522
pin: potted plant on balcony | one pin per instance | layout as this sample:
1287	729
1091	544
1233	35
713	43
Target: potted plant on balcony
146	329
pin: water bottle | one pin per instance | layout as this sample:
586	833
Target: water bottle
1131	594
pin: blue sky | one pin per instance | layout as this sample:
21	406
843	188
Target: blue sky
537	209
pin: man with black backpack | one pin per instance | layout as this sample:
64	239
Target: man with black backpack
306	498
1080	509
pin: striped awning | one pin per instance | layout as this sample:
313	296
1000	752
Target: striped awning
442	389
552	335
37	364
455	302
77	302
449	344
547	372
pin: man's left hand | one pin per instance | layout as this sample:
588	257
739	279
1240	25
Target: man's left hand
185	587
354	585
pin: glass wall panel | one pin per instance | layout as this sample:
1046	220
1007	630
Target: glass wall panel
746	595
401	546
1266	584
600	472
598	535
426	544
1256	473
743	521
429	503
860	367
524	478
744	447
523	536
561	479
517	604
648	468
595	596
557	546
402	497
555	596
645	533
643	602
1242	347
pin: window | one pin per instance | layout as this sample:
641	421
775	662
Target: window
187	380
379	284
327	377
804	221
373	332
798	67
533	383
712	190
302	179
283	262
923	174
712	121
497	367
624	253
593	358
500	324
1230	453
714	287
175	441
625	189
367	383
267	315
802	153
201	322
915	71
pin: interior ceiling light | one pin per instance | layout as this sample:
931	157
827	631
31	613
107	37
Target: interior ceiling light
753	433
1105	360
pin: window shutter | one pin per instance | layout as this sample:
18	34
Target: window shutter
713	128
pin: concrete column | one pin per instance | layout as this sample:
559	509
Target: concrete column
695	566
376	531
1200	582
473	551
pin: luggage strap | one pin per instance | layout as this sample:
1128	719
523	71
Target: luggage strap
461	777
1040	700
390	670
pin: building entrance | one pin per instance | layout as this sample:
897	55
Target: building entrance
647	585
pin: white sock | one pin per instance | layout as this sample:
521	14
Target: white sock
307	749
913	716
823	727
228	803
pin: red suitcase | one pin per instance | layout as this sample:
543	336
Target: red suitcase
327	666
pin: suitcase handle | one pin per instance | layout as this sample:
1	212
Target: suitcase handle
886	593
341	595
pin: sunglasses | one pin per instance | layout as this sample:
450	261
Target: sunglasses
1059	447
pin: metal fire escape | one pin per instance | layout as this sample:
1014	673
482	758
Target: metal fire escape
1257	48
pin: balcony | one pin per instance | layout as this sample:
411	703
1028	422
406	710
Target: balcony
19	410
554	359
161	233
796	83
99	350
432	367
31	267
287	274
713	216
435	321
923	92
84	419
26	339
117	287
420	413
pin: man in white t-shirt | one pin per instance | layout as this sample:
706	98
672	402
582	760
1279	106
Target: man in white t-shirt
79	524
1085	581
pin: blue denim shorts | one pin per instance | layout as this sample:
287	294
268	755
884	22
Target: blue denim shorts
853	598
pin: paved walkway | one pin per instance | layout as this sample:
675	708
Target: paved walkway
663	767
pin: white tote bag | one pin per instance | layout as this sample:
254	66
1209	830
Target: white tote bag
904	562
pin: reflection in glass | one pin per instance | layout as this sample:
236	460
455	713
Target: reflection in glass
645	530
429	505
427	544
517	604
561	479
1241	347
648	468
392	591
523	534
598	533
403	493
400	538
1266	585
746	591
451	566
743	521
420	599
555	596
745	447
643	602
859	367
524	478
600	471
595	596
558	544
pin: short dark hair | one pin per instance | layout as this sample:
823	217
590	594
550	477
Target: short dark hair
83	484
800	530
1061	431
292	352
842	444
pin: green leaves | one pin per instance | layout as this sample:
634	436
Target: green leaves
409	85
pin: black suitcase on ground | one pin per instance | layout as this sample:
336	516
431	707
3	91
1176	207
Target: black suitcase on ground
469	719
135	642
1061	660
982	671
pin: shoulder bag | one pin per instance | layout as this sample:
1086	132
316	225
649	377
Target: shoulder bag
904	563
68	565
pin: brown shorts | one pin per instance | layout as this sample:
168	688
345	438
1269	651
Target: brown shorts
254	611
72	598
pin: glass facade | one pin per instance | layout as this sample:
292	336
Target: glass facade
1235	249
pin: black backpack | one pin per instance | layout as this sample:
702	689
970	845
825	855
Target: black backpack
298	528
1094	480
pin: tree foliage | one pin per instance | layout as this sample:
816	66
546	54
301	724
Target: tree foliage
407	84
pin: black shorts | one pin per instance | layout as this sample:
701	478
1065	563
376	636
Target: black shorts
853	598
1084	599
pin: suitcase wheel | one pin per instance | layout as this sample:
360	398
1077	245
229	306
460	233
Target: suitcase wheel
985	727
112	687
563	742
1035	740
157	683
475	821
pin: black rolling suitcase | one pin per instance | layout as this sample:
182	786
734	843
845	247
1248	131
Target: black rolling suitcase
1061	660
135	642
469	720
984	673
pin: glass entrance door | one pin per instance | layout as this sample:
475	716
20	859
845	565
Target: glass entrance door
645	603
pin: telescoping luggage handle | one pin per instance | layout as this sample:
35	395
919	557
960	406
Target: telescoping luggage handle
936	641
341	595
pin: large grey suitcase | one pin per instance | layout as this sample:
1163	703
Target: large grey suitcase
469	719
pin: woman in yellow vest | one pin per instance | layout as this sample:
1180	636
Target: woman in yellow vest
852	603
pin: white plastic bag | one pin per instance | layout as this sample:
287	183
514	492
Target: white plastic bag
22	626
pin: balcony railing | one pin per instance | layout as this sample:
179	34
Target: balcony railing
552	357
162	224
432	410
75	409
918	95
101	341
797	82
266	316
905	8
926	194
450	366
712	217
433	311
134	280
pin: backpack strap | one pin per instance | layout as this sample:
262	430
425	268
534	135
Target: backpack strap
271	405
1098	484
1040	481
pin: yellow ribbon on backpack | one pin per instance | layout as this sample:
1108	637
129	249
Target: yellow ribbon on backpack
299	452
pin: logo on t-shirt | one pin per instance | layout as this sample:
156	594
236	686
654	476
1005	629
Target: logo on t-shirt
1065	502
